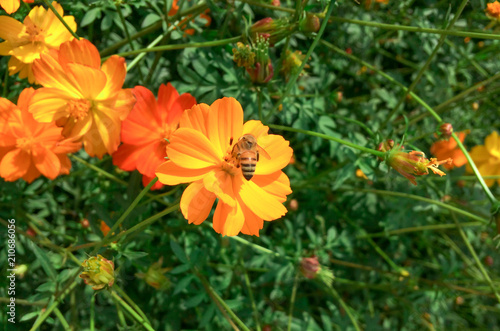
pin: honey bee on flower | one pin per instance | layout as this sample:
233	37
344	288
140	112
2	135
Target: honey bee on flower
245	153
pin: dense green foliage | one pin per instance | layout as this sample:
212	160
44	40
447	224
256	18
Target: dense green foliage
385	278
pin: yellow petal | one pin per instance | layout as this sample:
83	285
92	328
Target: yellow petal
10	29
228	221
225	123
221	184
115	70
191	149
279	151
263	204
169	173
276	184
255	128
89	81
49	104
10	6
492	144
196	203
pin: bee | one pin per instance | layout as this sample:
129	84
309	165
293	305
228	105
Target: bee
246	154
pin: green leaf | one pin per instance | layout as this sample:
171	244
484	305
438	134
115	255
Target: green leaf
178	251
44	261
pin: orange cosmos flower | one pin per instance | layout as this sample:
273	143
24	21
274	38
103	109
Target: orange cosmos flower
29	148
146	131
82	96
40	32
444	149
200	152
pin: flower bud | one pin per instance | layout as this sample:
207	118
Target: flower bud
488	260
309	266
263	70
98	272
243	55
310	23
294	205
273	30
155	276
445	130
85	223
292	63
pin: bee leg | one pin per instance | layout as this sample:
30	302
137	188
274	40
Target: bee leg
257	156
231	141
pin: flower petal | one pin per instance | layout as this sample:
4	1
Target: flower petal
252	223
89	81
31	174
126	156
255	128
151	157
228	221
276	184
489	170
225	123
262	203
196	118
10	6
221	184
156	186
278	149
81	52
196	202
49	104
115	70
46	162
181	104
492	144
14	165
167	95
171	174
191	149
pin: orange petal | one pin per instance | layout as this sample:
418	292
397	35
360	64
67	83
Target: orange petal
225	123
66	146
492	144
171	174
31	174
228	221
14	165
81	52
262	203
49	73
90	82
152	155
119	105
126	156
191	149
46	162
196	202
65	164
255	128
279	151
25	98
276	184
10	6
182	103
115	70
142	117
196	118
167	94
459	158
108	128
253	224
221	184
49	104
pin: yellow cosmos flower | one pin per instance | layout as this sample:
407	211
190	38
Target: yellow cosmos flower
40	32
82	96
487	158
200	151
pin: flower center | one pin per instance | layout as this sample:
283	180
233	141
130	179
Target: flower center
36	33
25	143
229	167
79	108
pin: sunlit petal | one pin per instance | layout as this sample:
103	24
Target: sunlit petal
196	202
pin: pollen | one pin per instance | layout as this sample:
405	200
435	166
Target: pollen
79	108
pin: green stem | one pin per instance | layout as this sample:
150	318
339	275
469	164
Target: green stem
259	101
121	316
53	306
132	303
415	229
220	301
49	4
61	319
426	64
380	251
292	300
476	258
296	74
257	247
346	308
124	215
132	312
324	136
221	42
252	300
92	313
419	198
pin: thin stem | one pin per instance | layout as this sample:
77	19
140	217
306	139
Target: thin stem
426	64
121	316
61	319
218	299
49	4
132	312
296	74
257	247
476	258
131	302
292	300
252	301
221	42
92	313
415	229
419	198
324	136
259	101
346	308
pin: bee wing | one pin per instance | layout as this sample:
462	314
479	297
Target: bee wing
263	152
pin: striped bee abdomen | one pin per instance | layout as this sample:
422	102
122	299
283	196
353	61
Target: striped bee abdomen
248	164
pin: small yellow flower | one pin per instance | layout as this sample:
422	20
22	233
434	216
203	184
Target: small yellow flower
98	272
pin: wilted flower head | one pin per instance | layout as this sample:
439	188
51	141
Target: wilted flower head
292	63
444	149
155	276
487	158
243	55
40	32
414	163
493	10
98	272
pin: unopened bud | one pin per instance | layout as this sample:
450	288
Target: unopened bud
85	223
310	23
155	276
309	266
445	130
459	301
488	260
294	205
